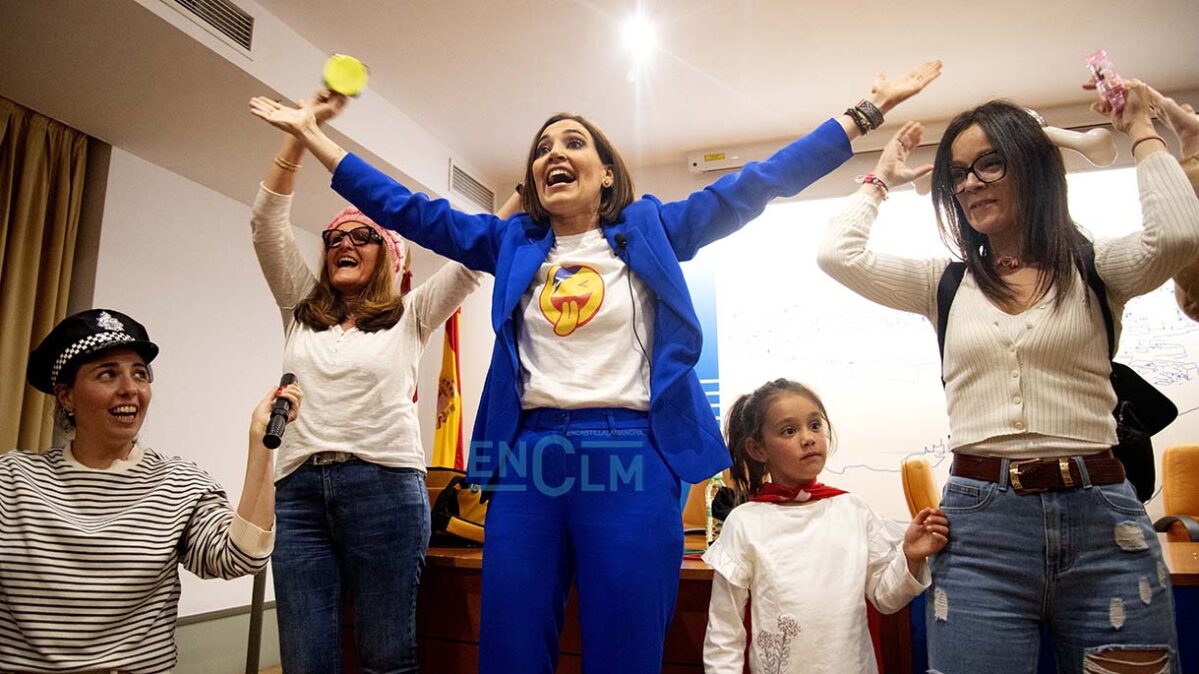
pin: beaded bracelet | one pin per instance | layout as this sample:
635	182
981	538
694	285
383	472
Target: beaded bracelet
871	179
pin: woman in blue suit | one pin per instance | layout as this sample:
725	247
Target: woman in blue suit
591	413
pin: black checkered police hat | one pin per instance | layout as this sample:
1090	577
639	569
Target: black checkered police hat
80	337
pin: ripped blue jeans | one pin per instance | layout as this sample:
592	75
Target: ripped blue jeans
1084	562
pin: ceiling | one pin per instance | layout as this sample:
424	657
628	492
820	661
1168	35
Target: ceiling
121	74
483	74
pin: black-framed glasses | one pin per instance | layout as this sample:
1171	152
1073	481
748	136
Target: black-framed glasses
359	236
988	167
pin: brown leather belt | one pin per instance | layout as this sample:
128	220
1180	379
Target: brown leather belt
1030	476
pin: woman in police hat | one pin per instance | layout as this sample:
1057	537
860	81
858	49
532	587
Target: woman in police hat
92	533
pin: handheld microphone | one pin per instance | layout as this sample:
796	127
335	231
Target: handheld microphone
278	423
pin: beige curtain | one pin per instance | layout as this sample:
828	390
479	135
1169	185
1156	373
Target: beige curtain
42	163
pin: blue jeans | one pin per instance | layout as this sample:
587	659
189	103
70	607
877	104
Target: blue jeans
585	499
353	527
1084	562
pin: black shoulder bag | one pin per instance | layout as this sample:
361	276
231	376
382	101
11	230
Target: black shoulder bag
1141	410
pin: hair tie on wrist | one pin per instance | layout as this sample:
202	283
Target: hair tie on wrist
1145	138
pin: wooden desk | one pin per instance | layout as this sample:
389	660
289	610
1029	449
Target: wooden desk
447	619
1182	559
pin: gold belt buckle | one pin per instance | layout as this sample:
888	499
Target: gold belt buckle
1013	473
1063	465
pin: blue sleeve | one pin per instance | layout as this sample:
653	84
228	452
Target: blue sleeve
727	204
472	240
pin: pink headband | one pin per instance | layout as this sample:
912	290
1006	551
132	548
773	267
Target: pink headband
392	241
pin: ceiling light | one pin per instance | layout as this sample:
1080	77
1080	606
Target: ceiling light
640	38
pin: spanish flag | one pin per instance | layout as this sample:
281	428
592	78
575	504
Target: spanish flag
447	439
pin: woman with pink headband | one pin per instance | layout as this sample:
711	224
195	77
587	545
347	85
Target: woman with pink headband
351	507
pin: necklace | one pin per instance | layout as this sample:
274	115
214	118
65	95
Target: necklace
1010	262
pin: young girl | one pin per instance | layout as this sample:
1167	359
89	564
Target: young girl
807	552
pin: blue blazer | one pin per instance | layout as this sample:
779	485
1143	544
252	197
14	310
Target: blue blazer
654	238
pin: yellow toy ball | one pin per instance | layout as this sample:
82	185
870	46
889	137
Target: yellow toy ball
345	75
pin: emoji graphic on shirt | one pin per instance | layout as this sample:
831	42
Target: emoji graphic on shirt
571	297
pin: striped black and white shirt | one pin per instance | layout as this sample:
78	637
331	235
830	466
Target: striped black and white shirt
89	559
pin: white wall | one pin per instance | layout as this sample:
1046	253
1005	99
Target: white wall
177	257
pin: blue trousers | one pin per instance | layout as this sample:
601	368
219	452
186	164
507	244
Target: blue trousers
353	526
584	498
1085	563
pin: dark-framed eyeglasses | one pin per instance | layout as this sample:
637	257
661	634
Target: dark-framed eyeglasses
359	236
988	167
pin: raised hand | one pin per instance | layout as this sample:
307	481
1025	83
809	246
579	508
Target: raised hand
926	535
887	94
326	105
1180	118
892	167
292	120
1134	115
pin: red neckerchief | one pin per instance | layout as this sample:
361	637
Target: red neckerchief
777	493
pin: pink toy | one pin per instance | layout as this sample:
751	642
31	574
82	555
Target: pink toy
1107	80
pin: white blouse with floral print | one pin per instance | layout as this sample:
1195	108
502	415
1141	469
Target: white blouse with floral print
810	567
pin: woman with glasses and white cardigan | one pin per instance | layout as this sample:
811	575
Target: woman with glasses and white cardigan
1045	528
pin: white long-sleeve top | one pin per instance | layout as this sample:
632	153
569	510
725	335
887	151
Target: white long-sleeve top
808	568
89	558
358	386
1037	383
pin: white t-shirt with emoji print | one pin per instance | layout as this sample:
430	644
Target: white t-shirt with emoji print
587	330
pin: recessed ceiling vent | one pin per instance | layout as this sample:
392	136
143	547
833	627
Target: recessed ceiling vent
220	16
466	186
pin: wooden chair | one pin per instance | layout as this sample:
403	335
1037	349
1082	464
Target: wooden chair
695	510
1180	493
